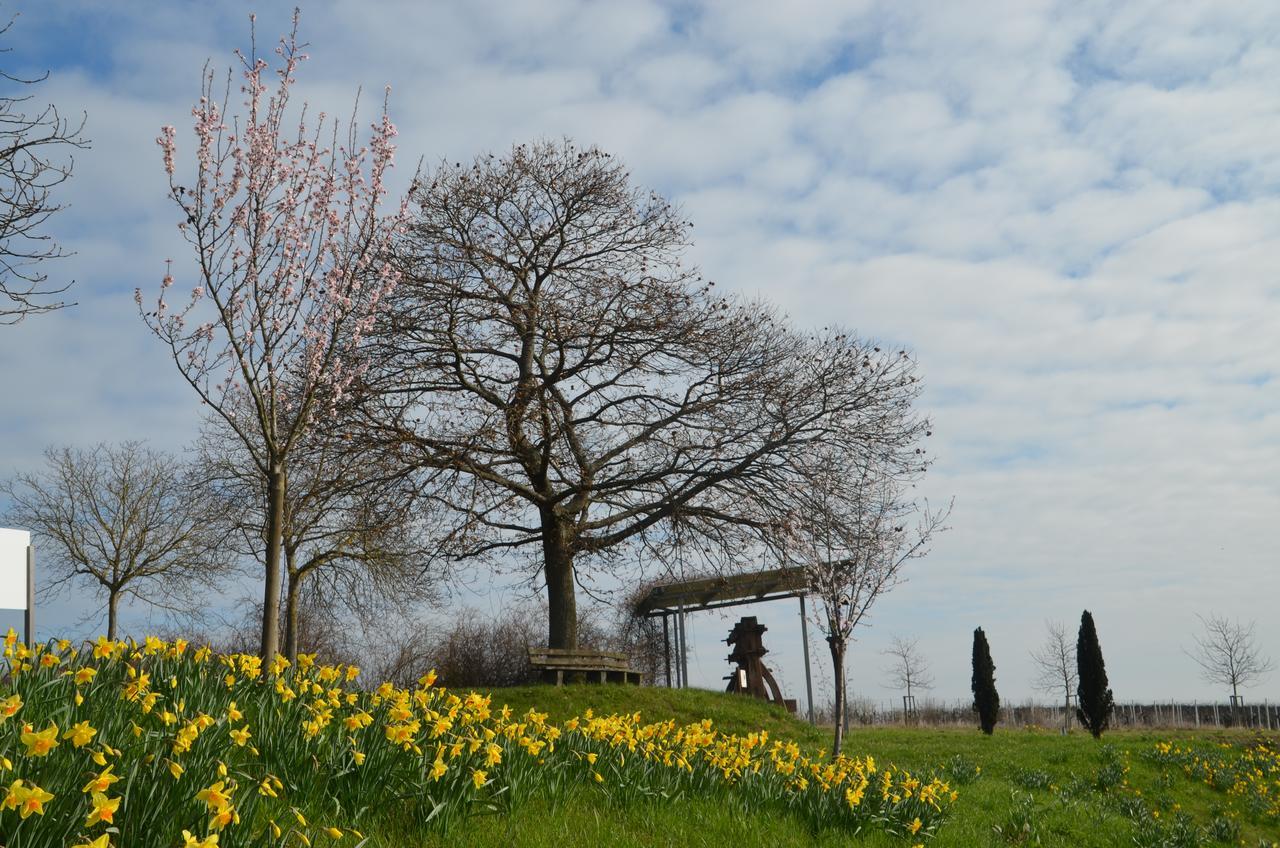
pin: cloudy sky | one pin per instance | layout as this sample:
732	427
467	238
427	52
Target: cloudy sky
1067	210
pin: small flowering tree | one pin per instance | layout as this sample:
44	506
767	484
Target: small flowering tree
289	273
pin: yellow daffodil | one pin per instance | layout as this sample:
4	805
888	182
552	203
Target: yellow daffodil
41	743
80	734
27	800
215	796
223	816
101	782
190	841
9	707
104	809
100	842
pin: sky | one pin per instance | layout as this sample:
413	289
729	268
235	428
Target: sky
1067	210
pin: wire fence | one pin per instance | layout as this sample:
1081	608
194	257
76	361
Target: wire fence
1163	714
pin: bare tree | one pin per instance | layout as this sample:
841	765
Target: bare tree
352	538
909	669
1055	663
850	527
1228	653
35	146
124	519
580	397
288	274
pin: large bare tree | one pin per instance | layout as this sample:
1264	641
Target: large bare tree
35	158
1055	664
351	533
124	519
580	395
853	527
1228	653
284	218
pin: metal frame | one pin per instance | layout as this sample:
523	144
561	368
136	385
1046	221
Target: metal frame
674	600
29	615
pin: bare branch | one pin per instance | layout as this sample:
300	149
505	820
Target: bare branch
909	670
581	397
35	158
1228	653
123	519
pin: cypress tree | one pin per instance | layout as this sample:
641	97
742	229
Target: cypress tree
986	700
1093	698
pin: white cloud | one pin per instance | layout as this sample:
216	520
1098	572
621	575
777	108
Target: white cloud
1063	208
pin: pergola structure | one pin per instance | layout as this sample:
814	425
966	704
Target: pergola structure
672	601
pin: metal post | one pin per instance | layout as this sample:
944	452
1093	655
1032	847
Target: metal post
808	676
683	659
29	617
666	647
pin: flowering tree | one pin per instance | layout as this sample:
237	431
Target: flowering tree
289	273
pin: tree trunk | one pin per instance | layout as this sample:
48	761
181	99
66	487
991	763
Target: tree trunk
113	599
292	592
837	663
1066	713
558	567
271	588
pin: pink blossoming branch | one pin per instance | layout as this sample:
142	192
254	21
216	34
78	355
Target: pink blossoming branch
290	251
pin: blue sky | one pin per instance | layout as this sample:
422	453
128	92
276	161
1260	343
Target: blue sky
1068	211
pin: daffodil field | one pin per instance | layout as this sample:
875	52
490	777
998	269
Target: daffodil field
1249	774
165	744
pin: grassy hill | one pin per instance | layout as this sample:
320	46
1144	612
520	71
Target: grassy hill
1016	788
173	741
731	713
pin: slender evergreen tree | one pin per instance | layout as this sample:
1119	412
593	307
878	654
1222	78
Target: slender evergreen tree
986	700
1093	698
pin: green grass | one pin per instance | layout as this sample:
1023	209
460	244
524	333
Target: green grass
1016	788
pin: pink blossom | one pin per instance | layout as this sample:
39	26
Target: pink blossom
167	144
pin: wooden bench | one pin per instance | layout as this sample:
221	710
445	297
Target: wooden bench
559	664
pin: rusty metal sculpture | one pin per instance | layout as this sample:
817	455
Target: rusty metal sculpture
751	676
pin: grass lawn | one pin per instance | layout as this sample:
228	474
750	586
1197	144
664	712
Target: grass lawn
118	744
1016	788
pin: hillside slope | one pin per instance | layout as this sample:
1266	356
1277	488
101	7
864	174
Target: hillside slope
730	713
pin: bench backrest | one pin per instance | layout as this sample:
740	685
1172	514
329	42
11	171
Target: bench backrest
573	658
